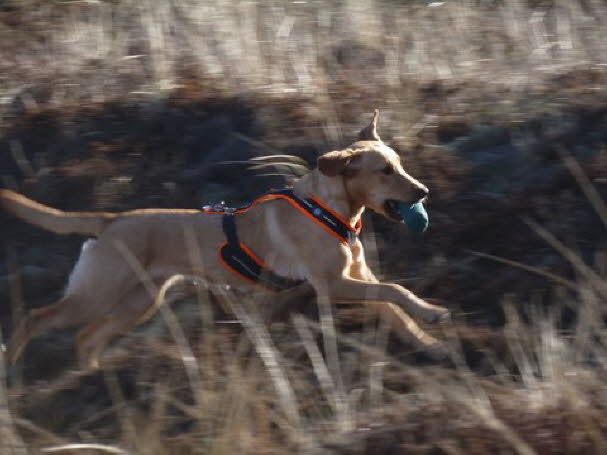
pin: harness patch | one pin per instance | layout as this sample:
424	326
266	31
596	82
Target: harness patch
241	260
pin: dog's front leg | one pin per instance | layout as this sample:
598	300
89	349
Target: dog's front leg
400	322
380	297
384	300
352	290
360	271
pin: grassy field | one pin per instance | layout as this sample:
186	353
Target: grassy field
500	107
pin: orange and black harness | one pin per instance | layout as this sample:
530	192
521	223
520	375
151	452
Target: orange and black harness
242	261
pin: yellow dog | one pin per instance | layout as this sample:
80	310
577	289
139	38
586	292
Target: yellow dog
106	295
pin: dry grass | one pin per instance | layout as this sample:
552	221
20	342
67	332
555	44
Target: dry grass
276	384
268	388
99	50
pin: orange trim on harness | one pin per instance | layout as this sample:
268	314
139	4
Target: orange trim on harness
268	197
237	257
234	271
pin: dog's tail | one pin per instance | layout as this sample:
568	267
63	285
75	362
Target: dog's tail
88	223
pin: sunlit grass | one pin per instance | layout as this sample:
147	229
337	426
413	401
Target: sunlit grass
297	384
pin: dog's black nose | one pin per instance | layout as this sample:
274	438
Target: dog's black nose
421	192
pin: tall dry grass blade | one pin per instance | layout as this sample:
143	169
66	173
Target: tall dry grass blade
513	331
207	316
159	297
586	412
489	418
121	407
17	302
137	268
329	335
50	437
270	356
369	241
10	441
244	409
15	285
318	364
593	278
473	396
197	262
185	350
585	184
529	268
78	448
376	385
21	160
377	367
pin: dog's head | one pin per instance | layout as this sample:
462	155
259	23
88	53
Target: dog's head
373	174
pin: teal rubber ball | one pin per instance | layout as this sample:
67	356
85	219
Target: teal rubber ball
415	216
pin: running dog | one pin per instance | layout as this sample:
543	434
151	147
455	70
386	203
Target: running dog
305	233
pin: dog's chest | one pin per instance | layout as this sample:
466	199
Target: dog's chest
283	258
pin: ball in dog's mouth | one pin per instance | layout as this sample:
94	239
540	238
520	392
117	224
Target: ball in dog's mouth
415	216
412	213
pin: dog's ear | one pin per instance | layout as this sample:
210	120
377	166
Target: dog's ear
335	163
369	133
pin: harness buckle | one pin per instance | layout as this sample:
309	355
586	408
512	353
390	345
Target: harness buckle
218	207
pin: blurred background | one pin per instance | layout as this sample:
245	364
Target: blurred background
499	107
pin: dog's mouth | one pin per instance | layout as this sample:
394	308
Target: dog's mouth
391	210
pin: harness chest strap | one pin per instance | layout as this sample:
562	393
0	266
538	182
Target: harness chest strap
239	259
242	261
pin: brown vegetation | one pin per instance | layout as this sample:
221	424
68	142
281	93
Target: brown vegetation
500	108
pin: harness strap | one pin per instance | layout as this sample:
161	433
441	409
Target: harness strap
312	208
238	258
329	220
229	228
242	261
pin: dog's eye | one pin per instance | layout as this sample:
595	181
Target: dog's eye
388	170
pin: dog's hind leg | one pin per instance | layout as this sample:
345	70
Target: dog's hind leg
61	314
92	340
